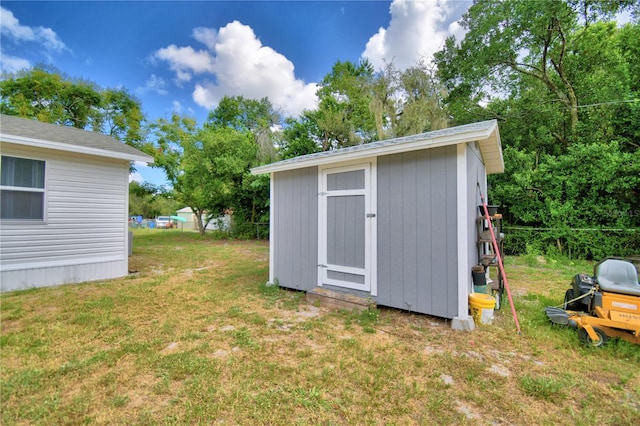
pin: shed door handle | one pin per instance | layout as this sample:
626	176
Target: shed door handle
371	215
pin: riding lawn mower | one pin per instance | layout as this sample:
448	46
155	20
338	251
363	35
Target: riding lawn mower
604	305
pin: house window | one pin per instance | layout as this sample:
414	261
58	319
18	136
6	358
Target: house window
22	186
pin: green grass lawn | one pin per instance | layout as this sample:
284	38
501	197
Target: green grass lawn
195	337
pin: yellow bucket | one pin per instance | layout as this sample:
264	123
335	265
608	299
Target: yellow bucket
481	306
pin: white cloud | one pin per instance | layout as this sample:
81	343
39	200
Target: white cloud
206	36
15	33
237	63
135	176
417	30
12	64
457	31
10	27
177	107
153	84
185	61
50	39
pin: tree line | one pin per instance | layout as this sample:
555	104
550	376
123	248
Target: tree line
561	77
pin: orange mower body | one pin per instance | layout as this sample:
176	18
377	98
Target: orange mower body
620	317
604	306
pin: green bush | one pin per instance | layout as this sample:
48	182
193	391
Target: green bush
574	244
582	203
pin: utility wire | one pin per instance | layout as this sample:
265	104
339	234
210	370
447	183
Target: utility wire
608	103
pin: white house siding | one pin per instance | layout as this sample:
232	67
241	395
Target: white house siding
84	235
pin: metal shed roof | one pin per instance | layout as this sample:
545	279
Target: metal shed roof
485	133
28	132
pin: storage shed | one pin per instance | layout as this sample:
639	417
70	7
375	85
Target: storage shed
394	220
64	204
220	223
190	222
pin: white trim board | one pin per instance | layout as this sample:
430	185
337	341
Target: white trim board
369	191
41	143
484	133
462	218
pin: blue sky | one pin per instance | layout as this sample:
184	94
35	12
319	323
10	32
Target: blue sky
184	56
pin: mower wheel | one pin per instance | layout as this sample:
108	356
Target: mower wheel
584	337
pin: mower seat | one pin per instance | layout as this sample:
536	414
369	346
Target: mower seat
618	276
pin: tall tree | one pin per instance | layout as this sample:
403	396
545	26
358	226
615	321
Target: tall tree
260	122
384	103
50	97
562	80
205	166
258	117
344	116
300	136
511	39
423	96
121	117
213	165
148	200
174	139
170	138
358	105
47	95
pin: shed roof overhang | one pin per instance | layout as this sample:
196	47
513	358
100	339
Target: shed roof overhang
484	133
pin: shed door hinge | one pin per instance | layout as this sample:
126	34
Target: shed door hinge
322	266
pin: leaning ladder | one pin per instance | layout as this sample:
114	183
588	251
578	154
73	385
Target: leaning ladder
496	250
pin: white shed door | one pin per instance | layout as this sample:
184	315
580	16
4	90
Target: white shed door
345	227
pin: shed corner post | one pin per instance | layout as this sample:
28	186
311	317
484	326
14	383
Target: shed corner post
272	228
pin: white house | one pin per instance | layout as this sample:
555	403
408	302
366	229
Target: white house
64	204
393	221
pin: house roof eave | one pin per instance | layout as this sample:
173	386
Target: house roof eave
41	143
29	132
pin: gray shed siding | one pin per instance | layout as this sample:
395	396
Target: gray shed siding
417	232
295	232
345	231
475	175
